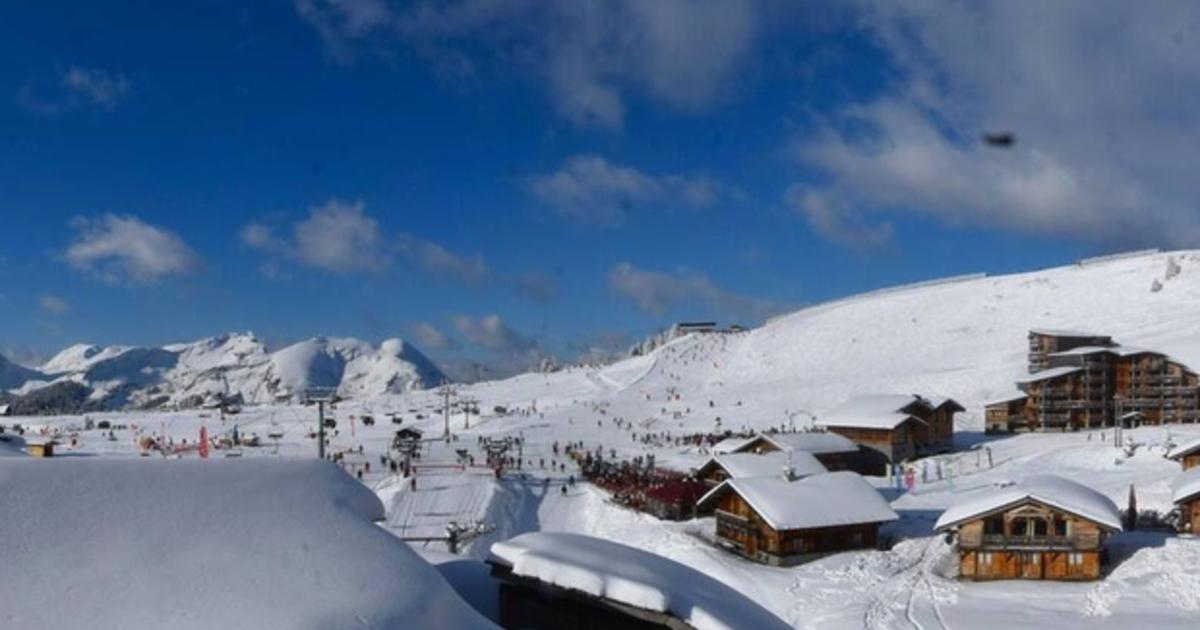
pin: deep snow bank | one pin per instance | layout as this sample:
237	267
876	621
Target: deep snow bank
106	543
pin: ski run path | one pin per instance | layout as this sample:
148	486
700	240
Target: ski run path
965	339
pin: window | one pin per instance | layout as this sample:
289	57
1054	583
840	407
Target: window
1075	559
994	526
1060	527
1040	527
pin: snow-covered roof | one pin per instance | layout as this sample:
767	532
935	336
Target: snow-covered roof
194	544
729	445
1083	350
1065	333
1186	485
815	442
1048	374
1007	398
829	500
1121	351
937	402
1051	490
739	465
1186	448
881	411
630	576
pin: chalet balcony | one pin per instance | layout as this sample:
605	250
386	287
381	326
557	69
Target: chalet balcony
1000	541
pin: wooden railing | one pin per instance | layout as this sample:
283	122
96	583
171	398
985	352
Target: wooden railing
1076	541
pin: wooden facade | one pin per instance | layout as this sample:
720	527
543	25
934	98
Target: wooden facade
1031	541
1005	416
1189	515
928	429
742	529
1043	343
1188	460
1082	381
896	444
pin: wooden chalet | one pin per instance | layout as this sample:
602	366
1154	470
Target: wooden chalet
1043	528
782	522
1187	454
550	581
795	464
833	451
897	426
1185	493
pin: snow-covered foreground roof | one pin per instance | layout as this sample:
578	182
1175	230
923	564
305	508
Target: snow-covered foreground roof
255	543
1051	490
631	576
739	465
881	411
815	442
1186	485
829	500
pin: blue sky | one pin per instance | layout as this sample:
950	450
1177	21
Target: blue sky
498	180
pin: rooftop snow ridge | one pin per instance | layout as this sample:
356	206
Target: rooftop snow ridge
1058	492
631	576
828	500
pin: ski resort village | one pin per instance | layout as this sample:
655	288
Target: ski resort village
599	315
819	471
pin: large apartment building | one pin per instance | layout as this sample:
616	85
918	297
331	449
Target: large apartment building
1081	380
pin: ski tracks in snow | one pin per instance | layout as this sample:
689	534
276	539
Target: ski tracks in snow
899	589
913	589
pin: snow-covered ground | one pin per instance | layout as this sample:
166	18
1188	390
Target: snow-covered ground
964	339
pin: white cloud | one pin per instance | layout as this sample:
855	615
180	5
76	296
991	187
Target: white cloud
682	53
1104	132
53	304
492	333
658	293
77	87
340	237
429	337
102	88
590	189
124	249
340	22
439	260
262	237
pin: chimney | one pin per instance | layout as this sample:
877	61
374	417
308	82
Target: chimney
789	473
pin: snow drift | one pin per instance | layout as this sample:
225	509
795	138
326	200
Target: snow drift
112	543
631	576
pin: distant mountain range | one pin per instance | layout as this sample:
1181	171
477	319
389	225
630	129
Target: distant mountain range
235	368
